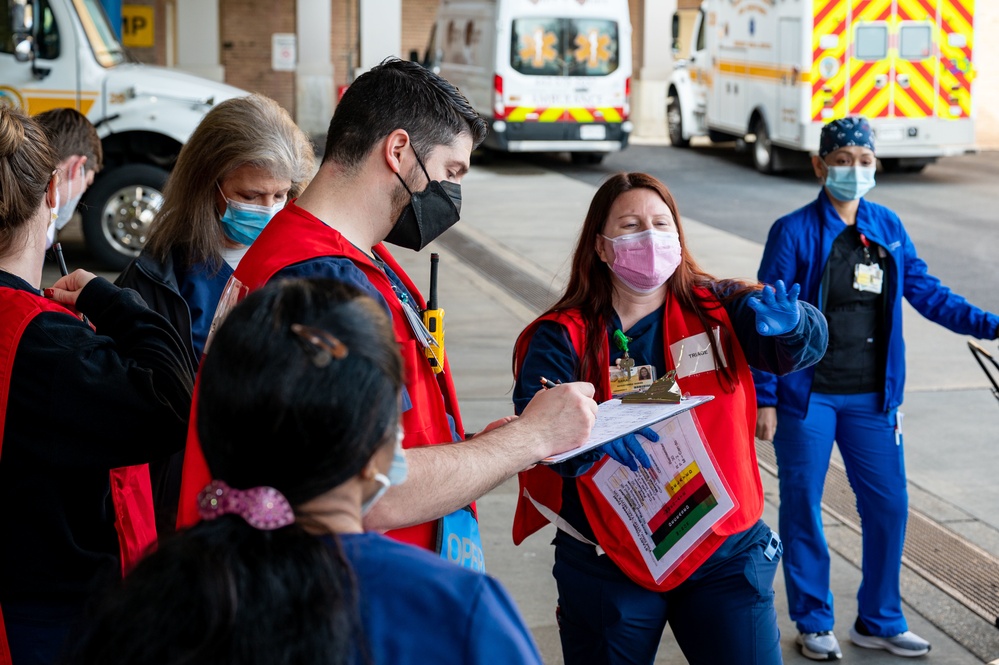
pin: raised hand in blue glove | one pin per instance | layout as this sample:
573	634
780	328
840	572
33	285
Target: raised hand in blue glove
628	450
776	309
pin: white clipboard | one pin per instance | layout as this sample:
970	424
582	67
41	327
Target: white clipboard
615	419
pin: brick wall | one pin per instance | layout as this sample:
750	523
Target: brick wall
246	29
417	20
343	40
637	11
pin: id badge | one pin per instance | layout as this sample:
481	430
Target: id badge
868	277
642	376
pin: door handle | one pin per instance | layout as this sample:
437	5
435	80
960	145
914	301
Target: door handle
903	80
880	81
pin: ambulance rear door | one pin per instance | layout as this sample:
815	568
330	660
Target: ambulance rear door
563	77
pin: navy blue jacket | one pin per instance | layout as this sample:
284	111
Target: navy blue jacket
796	252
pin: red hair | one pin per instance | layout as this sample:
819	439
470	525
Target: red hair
590	289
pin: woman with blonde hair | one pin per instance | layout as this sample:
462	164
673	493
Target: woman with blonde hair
76	404
245	160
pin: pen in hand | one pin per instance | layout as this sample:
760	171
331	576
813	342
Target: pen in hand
63	270
548	385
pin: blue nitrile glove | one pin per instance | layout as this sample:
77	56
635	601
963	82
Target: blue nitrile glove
776	309
628	451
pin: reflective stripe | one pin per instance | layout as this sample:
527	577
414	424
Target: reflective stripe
579	114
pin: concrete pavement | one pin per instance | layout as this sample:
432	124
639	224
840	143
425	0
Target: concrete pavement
530	217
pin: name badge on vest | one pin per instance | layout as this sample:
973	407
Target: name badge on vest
693	355
458	539
868	277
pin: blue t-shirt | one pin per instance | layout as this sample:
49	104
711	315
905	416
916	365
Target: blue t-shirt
417	608
201	287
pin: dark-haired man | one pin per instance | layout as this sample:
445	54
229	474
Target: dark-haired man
80	157
397	149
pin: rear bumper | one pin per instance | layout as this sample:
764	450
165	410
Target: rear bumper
556	136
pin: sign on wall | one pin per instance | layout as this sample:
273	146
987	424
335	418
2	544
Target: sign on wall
283	52
137	26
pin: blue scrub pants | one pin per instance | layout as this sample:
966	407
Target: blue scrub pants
875	467
723	613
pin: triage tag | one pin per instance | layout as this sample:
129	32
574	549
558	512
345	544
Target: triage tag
868	277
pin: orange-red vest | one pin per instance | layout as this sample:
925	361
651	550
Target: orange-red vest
131	492
294	236
728	423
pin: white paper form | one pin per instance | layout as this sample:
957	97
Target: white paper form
670	507
615	419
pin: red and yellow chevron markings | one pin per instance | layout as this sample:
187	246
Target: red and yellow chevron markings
869	92
914	92
561	114
956	69
828	56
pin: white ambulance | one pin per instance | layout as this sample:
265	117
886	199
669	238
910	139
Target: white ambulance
547	75
777	71
63	53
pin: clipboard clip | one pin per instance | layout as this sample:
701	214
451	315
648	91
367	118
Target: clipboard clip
662	391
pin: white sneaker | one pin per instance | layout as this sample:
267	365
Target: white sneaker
819	646
906	644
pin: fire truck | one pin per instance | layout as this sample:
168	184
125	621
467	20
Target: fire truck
772	73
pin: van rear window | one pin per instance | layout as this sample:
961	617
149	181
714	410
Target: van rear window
564	47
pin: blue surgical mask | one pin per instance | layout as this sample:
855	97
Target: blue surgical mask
849	183
396	474
243	222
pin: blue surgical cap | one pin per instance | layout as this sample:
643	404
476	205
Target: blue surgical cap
844	132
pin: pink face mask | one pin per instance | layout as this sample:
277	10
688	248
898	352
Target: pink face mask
645	260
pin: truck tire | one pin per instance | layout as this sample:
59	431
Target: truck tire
763	149
118	210
674	120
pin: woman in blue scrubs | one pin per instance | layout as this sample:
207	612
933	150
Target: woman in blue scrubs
855	261
299	419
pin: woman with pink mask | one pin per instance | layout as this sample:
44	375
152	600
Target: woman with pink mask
636	298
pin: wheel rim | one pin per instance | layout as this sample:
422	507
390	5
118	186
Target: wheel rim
673	121
762	147
127	216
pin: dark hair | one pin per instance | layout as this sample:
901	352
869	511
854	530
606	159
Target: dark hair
398	94
226	593
590	288
272	411
27	161
70	133
259	388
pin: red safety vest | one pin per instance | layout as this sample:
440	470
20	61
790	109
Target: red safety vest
728	424
131	492
294	236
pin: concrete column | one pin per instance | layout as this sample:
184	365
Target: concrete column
198	32
314	74
381	31
648	102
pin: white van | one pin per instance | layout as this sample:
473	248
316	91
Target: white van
548	75
63	53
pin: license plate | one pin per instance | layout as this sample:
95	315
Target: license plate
592	132
892	133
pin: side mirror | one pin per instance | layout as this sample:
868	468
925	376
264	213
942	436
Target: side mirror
676	33
24	51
